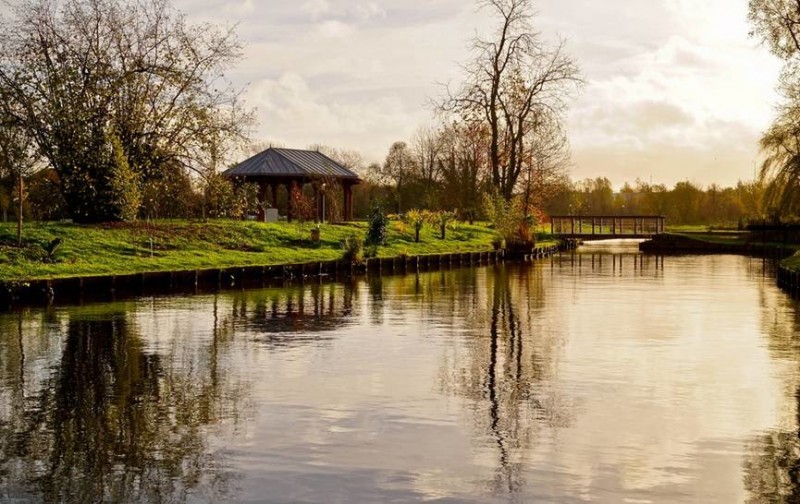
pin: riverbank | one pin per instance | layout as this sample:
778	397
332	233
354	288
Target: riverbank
715	243
164	255
788	271
120	249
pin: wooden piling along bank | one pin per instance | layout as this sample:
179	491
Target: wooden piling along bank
79	289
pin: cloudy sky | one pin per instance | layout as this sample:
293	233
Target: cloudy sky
676	90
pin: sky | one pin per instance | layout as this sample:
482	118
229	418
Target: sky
675	89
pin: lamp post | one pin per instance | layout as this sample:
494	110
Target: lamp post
323	202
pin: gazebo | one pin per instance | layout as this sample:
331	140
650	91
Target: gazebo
292	168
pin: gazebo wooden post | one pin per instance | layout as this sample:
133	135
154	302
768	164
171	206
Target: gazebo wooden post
347	189
289	187
262	201
274	189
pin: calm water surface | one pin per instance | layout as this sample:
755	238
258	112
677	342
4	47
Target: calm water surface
604	376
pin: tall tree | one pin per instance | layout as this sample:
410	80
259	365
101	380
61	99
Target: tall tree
399	168
777	24
513	79
84	74
463	166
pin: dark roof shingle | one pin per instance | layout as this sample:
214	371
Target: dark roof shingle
275	162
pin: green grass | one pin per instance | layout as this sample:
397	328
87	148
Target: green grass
119	249
727	237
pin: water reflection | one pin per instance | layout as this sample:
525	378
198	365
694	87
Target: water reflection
107	421
772	464
603	375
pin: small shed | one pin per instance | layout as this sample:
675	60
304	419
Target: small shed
293	168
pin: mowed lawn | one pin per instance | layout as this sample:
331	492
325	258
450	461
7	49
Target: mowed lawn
122	248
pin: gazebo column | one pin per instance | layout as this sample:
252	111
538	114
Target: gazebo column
289	187
262	201
348	201
274	189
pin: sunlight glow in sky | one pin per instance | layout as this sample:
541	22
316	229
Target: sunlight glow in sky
676	89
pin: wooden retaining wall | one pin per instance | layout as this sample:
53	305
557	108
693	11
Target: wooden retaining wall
113	287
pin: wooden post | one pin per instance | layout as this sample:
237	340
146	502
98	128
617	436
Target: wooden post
289	186
274	189
348	202
614	226
572	225
593	221
262	201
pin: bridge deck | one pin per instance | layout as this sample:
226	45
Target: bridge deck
605	236
605	227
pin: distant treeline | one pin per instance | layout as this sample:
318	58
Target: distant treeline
684	203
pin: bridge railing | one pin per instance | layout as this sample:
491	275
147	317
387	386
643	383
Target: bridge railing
607	225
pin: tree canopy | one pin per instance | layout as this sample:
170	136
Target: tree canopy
81	76
777	24
517	87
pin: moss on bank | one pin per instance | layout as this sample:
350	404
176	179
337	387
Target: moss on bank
118	249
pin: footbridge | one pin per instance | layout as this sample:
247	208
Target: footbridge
606	227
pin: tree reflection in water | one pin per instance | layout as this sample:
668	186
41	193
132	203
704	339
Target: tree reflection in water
295	316
111	422
508	374
772	465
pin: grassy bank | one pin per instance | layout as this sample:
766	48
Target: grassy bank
180	245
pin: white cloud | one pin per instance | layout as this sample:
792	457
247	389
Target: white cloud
369	10
295	114
334	29
316	8
360	72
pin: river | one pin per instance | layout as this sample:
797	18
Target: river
602	376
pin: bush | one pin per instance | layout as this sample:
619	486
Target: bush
498	243
417	219
510	220
442	218
378	223
353	247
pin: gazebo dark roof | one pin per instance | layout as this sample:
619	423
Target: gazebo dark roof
290	163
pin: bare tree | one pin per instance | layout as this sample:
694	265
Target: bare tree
548	160
512	80
399	169
463	167
426	147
